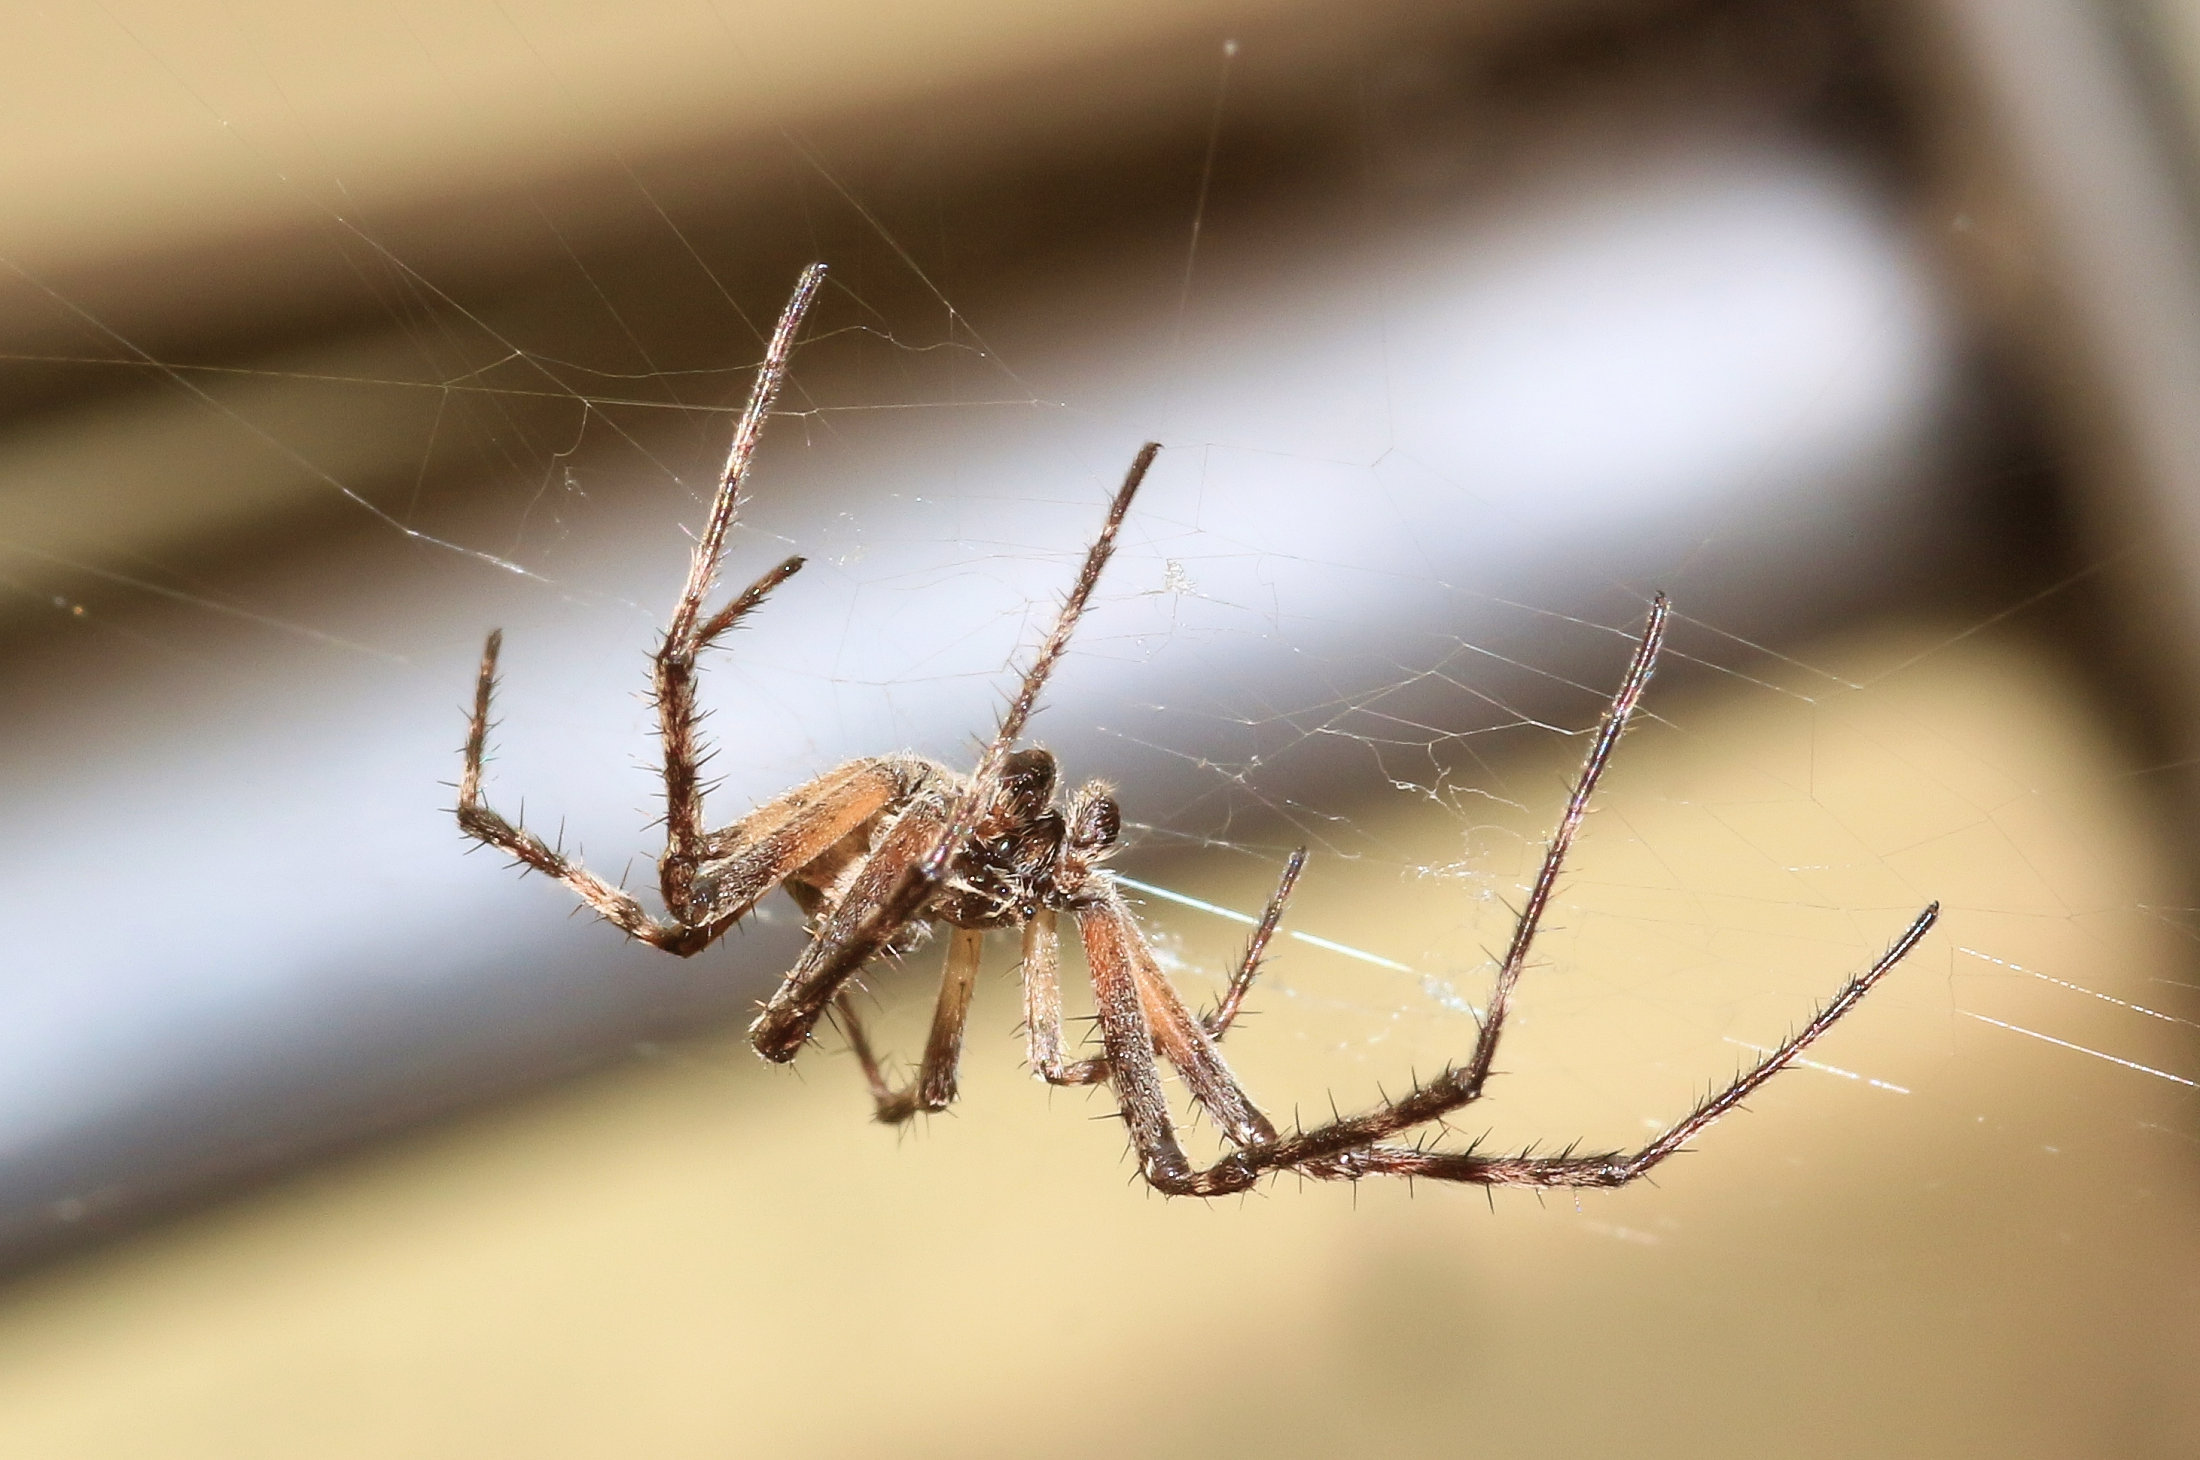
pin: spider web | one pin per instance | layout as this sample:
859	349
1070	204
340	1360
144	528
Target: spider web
343	337
1443	401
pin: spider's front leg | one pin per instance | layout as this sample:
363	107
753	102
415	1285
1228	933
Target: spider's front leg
819	980
736	867
690	632
776	848
485	824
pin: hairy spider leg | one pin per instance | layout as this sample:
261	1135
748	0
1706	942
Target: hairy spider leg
1042	979
1218	1020
855	934
482	822
783	1027
1350	1147
688	633
747	860
1124	973
934	1086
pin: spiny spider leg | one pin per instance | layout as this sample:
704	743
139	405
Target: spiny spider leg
1116	951
482	822
784	1026
1351	1146
1217	1022
756	855
748	859
1042	978
845	945
1619	1168
688	633
1348	1148
933	1088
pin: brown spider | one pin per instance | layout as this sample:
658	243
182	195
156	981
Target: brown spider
879	849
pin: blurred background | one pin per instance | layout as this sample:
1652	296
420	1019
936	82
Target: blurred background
331	338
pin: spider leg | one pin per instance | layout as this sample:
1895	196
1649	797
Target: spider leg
689	633
678	721
784	1026
674	679
1135	1074
1042	976
1118	953
1348	1148
482	822
922	876
1043	988
1217	1022
785	838
1136	1030
934	1087
742	862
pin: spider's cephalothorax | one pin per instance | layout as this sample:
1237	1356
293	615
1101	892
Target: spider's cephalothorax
879	851
1025	853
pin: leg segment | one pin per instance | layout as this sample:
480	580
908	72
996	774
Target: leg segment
689	633
780	1031
673	684
789	834
934	1087
478	820
742	863
1043	988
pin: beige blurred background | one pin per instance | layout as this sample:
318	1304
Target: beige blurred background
1867	332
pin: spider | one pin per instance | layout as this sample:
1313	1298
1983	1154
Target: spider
878	850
